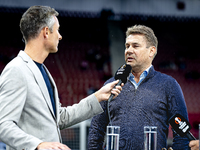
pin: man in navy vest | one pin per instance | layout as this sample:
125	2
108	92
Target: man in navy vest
149	98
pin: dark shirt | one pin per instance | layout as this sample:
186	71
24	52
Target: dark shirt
153	103
48	84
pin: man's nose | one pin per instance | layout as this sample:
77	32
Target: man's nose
129	50
60	37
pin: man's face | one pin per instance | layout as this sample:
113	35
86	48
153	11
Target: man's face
137	54
54	37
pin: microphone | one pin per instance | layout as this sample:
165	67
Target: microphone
181	126
121	75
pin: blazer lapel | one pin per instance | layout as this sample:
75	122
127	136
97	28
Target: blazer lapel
39	79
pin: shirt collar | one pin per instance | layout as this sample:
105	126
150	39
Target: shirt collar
145	72
142	77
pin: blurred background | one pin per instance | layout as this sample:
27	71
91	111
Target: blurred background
92	48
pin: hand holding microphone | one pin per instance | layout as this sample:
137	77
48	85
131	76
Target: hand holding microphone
114	88
194	144
107	90
121	75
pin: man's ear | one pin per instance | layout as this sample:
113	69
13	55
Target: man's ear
152	51
45	31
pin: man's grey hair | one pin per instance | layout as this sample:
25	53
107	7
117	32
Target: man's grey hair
35	19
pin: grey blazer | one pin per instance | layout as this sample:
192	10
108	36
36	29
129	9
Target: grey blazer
26	113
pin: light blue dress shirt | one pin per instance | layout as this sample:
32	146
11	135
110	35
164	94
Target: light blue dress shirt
142	77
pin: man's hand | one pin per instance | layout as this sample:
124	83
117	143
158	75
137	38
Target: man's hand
105	92
52	145
194	144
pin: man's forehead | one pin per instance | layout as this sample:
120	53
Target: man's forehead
137	38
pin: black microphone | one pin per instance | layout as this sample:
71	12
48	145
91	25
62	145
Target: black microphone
181	126
121	75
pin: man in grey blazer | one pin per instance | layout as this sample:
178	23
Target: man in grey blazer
30	113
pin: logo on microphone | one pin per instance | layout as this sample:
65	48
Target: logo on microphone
182	125
177	120
123	66
121	69
123	72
